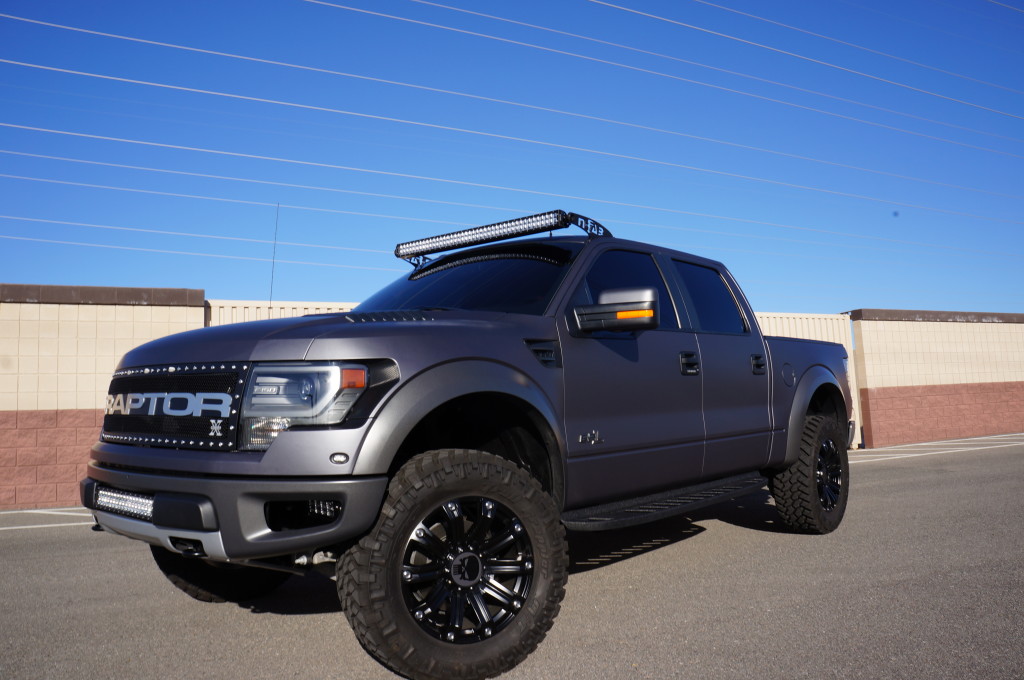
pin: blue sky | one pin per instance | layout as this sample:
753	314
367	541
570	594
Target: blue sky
836	155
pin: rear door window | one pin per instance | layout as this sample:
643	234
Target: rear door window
711	303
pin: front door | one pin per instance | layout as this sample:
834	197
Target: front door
632	406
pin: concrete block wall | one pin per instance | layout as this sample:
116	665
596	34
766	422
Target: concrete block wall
219	312
828	327
59	346
925	376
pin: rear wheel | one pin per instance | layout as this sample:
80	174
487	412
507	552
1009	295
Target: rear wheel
811	494
216	582
464	572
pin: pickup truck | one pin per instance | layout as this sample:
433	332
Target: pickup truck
432	447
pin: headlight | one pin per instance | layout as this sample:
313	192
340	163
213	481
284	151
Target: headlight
280	396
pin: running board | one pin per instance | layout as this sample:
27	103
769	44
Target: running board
636	511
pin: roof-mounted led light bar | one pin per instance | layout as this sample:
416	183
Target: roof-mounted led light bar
416	251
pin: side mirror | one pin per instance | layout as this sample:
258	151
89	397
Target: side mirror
621	309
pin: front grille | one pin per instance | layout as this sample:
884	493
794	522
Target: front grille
182	406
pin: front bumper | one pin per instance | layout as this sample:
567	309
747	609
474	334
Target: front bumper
226	519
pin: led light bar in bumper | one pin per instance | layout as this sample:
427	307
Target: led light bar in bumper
415	251
134	505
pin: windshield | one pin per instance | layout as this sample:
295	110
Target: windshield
517	278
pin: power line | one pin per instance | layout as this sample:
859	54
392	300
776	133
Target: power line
494	135
856	46
1007	6
193	254
929	27
698	64
289	185
808	59
978	253
559	111
496	187
229	200
664	75
164	232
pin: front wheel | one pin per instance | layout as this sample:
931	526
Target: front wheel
811	494
464	572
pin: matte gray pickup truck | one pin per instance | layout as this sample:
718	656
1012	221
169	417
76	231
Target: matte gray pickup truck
432	447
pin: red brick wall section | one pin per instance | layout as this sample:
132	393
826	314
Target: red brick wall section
903	415
43	455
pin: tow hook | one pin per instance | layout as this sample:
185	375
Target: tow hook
188	547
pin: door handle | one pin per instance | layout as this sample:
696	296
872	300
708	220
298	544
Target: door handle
758	364
689	364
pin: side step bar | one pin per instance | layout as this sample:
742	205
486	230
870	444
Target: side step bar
661	505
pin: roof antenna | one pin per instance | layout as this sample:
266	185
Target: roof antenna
273	261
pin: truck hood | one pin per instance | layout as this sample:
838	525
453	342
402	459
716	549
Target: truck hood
345	336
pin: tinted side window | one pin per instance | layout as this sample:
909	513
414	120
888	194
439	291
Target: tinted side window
713	304
627	269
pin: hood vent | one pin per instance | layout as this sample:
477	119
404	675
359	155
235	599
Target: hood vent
386	317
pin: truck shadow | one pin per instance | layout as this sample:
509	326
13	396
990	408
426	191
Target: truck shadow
754	511
596	549
315	593
593	550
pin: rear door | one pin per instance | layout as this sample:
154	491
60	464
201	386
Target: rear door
632	416
734	366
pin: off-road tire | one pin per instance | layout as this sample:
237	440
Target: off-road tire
212	582
811	495
460	532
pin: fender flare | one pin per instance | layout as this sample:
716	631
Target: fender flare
423	393
809	383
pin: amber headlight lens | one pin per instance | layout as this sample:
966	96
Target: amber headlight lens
285	395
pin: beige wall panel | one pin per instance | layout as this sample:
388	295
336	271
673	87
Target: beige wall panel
237	311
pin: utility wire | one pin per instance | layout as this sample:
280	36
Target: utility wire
856	46
231	200
388	173
664	243
662	75
1003	4
165	232
193	254
493	135
977	253
281	184
929	27
698	64
805	58
559	111
518	211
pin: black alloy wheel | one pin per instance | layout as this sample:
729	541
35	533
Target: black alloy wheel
829	474
464	571
812	493
467	570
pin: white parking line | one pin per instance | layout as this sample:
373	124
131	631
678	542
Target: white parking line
70	513
46	526
888	455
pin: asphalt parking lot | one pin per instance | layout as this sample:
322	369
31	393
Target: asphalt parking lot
923	580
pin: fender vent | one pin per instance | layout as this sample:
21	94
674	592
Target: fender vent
546	352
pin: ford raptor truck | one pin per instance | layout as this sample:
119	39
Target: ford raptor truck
432	447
